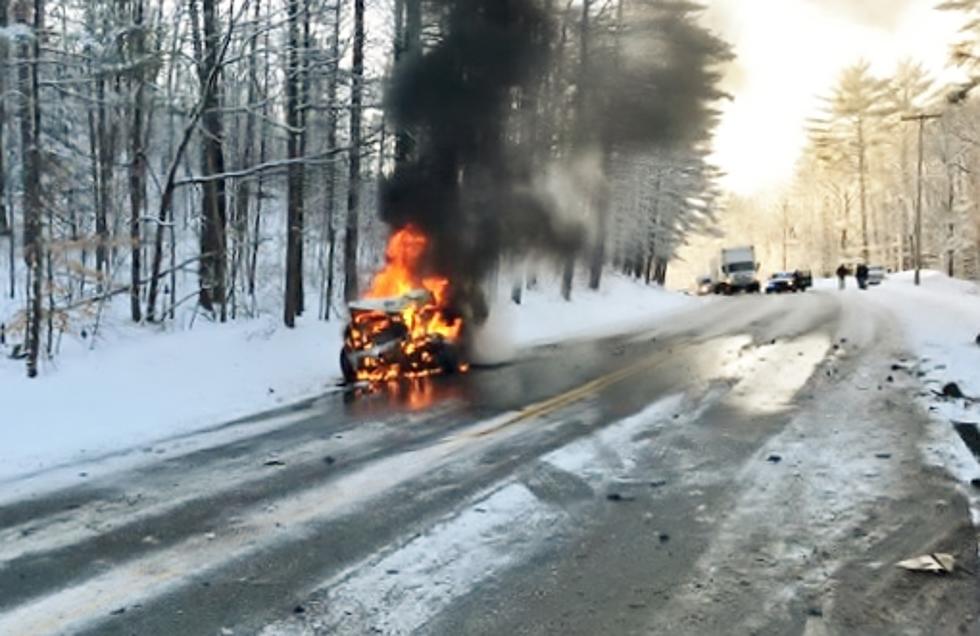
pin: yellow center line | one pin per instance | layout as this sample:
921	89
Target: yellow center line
546	407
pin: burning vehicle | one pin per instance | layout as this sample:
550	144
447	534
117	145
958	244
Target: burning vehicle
403	327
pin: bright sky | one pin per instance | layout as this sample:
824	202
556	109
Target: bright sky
790	53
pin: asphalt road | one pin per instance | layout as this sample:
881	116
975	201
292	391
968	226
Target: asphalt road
749	470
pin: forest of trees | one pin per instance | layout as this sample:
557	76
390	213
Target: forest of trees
857	186
229	156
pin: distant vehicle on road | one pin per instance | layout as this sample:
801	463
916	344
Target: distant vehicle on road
738	271
876	275
705	285
804	279
781	283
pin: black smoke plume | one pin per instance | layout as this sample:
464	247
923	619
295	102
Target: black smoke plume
465	188
473	190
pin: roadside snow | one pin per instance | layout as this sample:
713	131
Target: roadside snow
139	385
942	321
621	305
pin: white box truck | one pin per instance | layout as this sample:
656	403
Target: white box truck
738	271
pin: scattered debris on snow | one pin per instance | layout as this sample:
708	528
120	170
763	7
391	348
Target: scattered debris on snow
936	562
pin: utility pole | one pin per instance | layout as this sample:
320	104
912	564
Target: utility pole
785	232
921	118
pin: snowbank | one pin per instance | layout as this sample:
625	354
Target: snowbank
620	305
140	385
941	319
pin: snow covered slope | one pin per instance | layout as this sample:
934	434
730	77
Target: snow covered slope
140	385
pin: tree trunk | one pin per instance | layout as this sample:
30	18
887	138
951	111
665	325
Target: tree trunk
30	130
862	180
567	278
244	191
587	138
660	274
330	201
213	207
351	291
294	172
169	185
105	148
137	168
6	223
568	266
260	183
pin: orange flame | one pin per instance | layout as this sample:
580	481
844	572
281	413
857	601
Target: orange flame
426	321
404	255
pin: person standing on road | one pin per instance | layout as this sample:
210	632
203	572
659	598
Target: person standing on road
861	274
842	276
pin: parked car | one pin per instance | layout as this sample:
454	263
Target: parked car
781	282
804	279
876	275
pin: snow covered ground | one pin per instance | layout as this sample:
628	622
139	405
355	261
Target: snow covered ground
942	321
137	385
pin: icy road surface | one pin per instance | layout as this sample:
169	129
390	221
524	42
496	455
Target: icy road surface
757	469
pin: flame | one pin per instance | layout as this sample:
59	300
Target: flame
423	327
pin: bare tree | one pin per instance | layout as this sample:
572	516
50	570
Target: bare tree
6	227
852	126
137	166
213	205
354	176
330	197
293	305
30	130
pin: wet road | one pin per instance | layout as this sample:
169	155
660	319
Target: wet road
748	470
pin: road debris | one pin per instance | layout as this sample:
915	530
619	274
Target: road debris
615	496
952	390
936	562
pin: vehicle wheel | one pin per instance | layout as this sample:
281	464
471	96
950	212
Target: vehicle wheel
447	358
350	374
